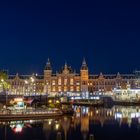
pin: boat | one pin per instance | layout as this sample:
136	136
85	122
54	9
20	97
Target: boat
30	114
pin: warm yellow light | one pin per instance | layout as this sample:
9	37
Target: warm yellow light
97	112
57	126
18	100
50	101
32	79
50	122
57	101
2	80
26	82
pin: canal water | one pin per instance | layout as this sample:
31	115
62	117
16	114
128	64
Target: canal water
116	123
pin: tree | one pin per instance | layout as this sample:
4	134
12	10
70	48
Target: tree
3	75
3	80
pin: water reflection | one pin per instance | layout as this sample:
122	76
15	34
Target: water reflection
120	114
84	122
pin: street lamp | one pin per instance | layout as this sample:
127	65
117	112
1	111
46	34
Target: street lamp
2	80
32	79
26	82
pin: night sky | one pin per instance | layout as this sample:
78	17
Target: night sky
106	33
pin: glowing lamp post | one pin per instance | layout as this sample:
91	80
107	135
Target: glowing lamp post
32	79
2	80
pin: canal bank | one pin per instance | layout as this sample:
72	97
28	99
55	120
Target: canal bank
29	116
102	102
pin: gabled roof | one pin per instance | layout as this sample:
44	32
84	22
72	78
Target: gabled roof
112	76
24	77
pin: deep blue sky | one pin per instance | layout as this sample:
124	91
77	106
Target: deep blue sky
107	33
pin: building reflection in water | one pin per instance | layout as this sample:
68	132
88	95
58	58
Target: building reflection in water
83	117
117	114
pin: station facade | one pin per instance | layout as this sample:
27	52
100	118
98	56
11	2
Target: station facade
68	81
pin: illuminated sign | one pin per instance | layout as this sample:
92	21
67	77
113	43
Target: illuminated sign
18	100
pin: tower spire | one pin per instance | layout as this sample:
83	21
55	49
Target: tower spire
65	66
84	65
48	65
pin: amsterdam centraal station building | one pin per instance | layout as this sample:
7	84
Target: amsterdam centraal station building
68	81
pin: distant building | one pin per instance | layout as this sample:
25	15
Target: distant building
68	81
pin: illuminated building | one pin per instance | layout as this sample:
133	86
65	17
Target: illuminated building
69	81
127	94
